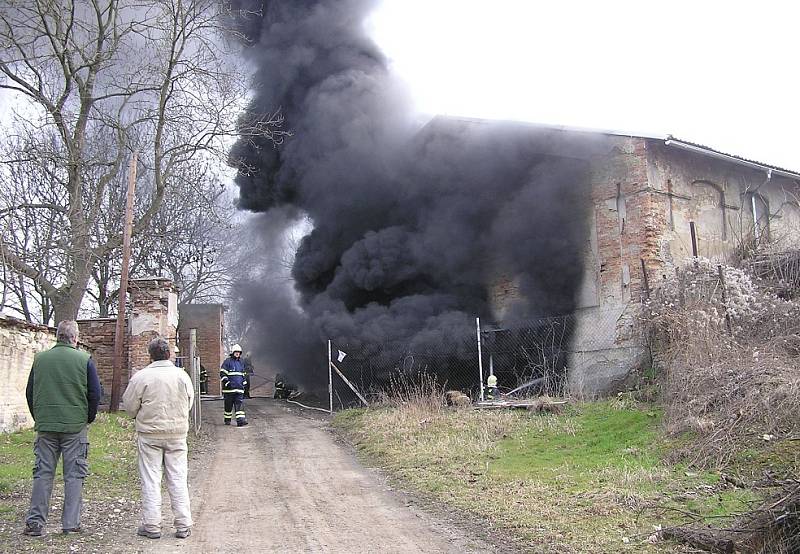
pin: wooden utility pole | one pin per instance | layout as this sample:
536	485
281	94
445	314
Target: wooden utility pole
119	330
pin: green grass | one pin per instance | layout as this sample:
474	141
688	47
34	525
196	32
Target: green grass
112	476
16	460
112	455
601	438
594	479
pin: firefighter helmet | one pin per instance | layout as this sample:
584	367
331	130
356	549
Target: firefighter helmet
236	348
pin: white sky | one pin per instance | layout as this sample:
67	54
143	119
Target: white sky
723	74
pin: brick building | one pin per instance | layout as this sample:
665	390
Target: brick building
645	192
209	320
153	312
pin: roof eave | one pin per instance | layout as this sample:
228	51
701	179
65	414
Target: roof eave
727	157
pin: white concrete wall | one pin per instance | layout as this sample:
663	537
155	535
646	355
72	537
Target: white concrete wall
19	342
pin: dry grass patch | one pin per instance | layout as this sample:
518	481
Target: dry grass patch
591	480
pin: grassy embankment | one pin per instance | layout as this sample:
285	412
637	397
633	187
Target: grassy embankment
594	479
111	492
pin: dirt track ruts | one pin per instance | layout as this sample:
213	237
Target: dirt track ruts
283	484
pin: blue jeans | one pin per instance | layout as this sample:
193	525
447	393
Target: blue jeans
74	448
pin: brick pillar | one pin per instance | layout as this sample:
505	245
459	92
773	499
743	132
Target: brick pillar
209	320
154	312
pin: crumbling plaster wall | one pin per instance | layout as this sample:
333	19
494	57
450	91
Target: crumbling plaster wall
624	224
19	343
645	194
718	197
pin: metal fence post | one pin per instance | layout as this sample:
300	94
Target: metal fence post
330	377
480	354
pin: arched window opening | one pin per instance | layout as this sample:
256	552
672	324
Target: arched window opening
711	209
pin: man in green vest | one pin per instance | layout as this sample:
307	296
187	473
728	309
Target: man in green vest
63	393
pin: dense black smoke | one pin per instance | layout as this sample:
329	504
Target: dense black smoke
411	227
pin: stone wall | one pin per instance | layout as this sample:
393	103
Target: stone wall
721	198
19	342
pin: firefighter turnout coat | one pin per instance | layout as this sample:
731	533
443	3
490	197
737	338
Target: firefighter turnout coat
232	375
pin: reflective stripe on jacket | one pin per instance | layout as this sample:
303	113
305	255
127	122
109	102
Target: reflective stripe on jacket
232	375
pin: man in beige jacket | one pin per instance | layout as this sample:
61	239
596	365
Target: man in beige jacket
160	396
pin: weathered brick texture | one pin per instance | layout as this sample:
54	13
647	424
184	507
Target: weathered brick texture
209	320
98	335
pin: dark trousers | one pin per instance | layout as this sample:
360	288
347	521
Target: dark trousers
234	405
247	390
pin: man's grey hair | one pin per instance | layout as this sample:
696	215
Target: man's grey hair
67	332
159	349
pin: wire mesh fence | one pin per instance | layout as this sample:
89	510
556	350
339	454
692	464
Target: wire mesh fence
373	368
527	358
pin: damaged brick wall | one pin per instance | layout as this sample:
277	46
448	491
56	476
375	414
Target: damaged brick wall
645	195
154	312
98	334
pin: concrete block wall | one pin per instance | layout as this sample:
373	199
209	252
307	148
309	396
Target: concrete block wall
19	343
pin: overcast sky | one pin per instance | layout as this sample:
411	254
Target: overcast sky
723	74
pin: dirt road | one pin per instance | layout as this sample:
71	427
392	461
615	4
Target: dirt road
283	484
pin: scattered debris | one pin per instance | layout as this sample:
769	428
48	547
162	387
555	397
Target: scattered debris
543	404
457	398
772	527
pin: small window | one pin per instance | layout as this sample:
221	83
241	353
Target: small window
759	210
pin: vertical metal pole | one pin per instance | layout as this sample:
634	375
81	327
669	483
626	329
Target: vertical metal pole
480	353
645	282
193	374
725	300
119	330
330	378
693	231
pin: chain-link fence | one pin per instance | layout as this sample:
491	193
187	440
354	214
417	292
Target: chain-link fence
528	358
374	368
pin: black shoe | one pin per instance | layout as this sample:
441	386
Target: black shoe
33	530
183	533
142	532
227	422
71	530
241	423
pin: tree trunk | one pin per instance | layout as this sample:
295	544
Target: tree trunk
68	299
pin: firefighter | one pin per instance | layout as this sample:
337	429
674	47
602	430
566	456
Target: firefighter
233	378
491	387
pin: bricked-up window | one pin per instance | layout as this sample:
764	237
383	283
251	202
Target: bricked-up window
758	206
717	222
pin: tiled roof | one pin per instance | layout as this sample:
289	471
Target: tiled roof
668	140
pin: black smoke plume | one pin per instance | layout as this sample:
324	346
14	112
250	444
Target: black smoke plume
411	226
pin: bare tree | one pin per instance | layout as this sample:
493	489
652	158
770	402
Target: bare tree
102	78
